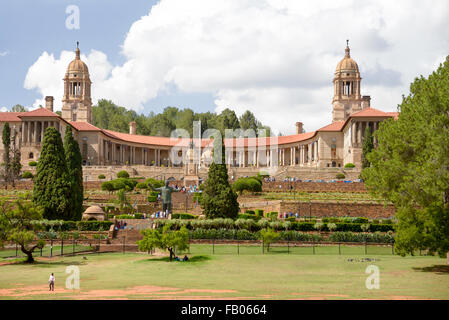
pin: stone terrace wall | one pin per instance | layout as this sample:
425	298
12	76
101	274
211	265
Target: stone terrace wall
335	209
314	186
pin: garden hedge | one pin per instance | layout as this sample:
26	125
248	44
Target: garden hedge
183	216
82	226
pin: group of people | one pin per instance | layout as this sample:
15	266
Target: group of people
286	215
183	259
157	215
120	225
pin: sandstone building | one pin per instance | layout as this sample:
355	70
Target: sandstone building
329	147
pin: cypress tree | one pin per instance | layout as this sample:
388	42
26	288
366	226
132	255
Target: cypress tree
51	183
6	139
367	147
218	199
75	170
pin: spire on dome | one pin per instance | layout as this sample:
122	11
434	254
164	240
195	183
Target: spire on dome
77	51
347	50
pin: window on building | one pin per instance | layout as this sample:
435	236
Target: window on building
31	156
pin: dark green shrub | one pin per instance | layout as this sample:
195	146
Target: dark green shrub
247	216
183	216
117	184
340	176
101	177
299	236
259	212
27	175
155	183
381	227
141	185
32	163
349	165
254	185
107	186
248	184
152	198
85	225
360	237
122	183
125	216
303	226
360	220
123	174
250	212
273	215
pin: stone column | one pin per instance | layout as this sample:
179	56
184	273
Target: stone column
353	134
375	126
35	132
29	132
292	156
359	133
42	131
22	134
309	151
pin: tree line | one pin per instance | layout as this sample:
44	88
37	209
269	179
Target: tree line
107	115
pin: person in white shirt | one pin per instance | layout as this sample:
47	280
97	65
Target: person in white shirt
51	282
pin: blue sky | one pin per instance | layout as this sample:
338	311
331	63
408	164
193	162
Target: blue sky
275	58
31	27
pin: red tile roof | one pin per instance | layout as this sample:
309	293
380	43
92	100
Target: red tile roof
169	142
10	116
334	126
393	114
41	112
83	126
370	112
159	141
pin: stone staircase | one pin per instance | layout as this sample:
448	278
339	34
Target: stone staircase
129	236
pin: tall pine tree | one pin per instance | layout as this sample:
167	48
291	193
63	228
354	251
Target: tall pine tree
367	147
218	199
410	165
6	139
75	170
52	188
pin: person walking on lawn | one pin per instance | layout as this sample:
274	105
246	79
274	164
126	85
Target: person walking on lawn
51	282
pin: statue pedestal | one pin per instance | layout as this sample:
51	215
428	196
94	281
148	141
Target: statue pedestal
191	180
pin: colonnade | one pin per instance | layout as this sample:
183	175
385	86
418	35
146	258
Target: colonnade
358	130
33	131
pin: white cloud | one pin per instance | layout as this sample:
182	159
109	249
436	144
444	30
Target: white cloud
3	109
3	53
273	57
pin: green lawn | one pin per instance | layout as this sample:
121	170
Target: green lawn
249	275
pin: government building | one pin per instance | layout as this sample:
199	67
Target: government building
107	151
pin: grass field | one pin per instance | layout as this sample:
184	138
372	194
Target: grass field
226	275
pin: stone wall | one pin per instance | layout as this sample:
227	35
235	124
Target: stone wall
322	209
338	209
314	186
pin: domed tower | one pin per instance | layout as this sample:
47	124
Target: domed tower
347	98
76	102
